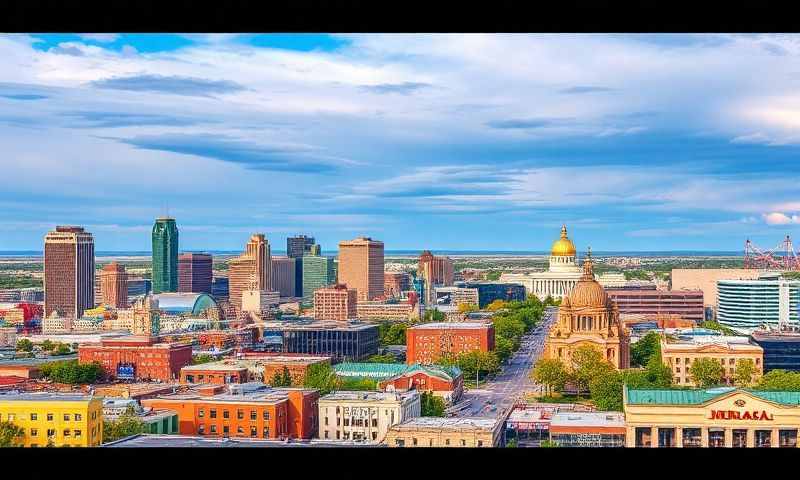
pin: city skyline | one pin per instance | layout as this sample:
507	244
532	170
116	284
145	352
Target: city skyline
444	142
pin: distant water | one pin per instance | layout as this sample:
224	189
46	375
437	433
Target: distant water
396	253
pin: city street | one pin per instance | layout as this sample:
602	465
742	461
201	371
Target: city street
497	395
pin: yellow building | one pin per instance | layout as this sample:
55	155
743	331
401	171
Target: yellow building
65	420
679	354
717	417
446	432
587	316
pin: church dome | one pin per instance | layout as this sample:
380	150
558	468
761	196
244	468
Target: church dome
588	292
563	247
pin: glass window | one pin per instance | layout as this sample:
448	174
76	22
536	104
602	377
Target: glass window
480	443
226	414
253	415
739	438
49	417
66	417
34	432
213	413
400	442
447	441
326	421
266	432
78	417
266	415
77	433
51	432
201	413
240	430
201	429
692	437
643	436
240	414
374	435
253	431
326	434
463	443
716	437
763	438
226	429
787	438
213	429
34	416
66	432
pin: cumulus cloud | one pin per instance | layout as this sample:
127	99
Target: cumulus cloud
778	218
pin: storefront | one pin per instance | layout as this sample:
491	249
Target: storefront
718	417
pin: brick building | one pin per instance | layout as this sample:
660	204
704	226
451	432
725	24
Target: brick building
69	272
336	302
435	270
138	357
428	342
445	382
251	367
247	410
688	304
114	285
395	283
361	267
195	273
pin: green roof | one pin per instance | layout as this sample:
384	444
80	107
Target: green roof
388	370
700	396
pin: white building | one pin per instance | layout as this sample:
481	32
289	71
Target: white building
365	416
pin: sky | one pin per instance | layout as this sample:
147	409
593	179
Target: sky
449	142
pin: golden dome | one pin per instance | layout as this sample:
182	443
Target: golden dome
563	247
588	292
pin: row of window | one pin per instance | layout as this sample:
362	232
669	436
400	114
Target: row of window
50	417
212	429
212	413
346	435
731	361
401	442
356	422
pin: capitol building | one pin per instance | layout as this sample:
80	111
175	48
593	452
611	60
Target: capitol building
562	275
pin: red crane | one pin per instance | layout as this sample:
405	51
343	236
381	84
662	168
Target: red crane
786	260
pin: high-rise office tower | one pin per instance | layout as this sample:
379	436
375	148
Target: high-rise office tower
252	270
298	246
165	255
436	270
114	285
361	267
283	275
258	249
68	271
318	272
195	272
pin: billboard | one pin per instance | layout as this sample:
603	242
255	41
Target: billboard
126	371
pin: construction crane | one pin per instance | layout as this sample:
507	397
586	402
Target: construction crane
756	258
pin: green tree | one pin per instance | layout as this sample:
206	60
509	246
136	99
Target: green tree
62	349
467	308
503	348
712	325
25	345
496	305
587	363
551	373
707	372
202	358
433	315
11	435
493	275
385	358
606	390
125	425
512	443
779	380
356	384
396	335
474	363
658	374
549	444
645	348
745	371
432	406
47	346
320	376
72	372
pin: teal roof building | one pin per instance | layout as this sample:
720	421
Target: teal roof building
165	255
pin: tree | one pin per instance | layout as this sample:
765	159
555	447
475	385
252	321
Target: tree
707	372
551	373
62	349
126	425
385	358
72	372
712	325
320	376
512	443
745	371
503	348
606	391
433	315
202	358
356	384
587	363
47	346
467	308
11	435
25	345
432	406
549	444
278	380
645	348
496	305
658	374
779	380
287	377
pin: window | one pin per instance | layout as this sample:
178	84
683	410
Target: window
226	414
374	422
480	443
66	417
414	441
266	432
78	417
213	413
226	430
66	432
253	431
337	434
34	416
677	369
240	430
266	415
201	413
201	429
447	441
51	432
213	429
34	432
346	422
49	417
240	414
77	433
463	443
374	435
400	442
253	415
326	421
731	361
677	361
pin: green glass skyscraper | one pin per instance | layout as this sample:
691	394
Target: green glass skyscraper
318	271
165	255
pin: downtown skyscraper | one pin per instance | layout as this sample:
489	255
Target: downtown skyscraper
252	270
297	247
361	267
165	255
69	272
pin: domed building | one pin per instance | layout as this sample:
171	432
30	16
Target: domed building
562	275
587	316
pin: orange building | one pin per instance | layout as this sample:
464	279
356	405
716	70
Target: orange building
428	342
361	267
249	410
114	285
335	302
138	357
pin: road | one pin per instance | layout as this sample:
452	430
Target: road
497	395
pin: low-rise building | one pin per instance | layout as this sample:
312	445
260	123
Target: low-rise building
352	341
335	302
375	311
688	304
59	420
680	352
251	367
365	416
164	422
446	432
588	429
445	382
185	441
138	357
428	342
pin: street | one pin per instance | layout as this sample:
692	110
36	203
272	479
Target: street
496	396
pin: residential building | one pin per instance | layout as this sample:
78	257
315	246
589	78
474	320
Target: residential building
705	279
714	417
588	429
284	276
165	255
69	271
361	267
587	316
244	411
318	272
156	422
335	302
60	420
485	432
114	285
444	382
195	272
434	272
429	342
749	304
687	304
680	354
140	358
365	416
395	283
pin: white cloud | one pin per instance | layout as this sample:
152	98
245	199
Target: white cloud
778	218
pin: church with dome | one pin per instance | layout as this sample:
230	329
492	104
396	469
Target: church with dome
587	316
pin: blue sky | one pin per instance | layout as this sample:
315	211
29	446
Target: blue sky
636	142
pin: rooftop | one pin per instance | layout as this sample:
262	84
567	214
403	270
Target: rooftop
701	396
388	370
158	441
369	396
448	423
45	397
584	419
450	325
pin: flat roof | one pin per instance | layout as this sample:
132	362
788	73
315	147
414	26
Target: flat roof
157	441
46	397
448	423
368	396
450	325
700	396
588	419
231	364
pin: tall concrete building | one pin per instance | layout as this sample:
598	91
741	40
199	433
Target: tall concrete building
335	302
437	270
284	275
252	270
297	247
318	272
361	267
114	285
165	255
195	273
68	271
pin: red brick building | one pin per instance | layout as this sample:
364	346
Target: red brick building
688	304
428	342
335	302
218	339
114	285
249	411
445	382
251	367
140	358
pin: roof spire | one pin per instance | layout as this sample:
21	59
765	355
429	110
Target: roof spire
563	231
588	271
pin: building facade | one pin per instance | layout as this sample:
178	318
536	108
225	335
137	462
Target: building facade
252	270
679	354
453	432
429	342
395	283
361	267
298	246
335	302
587	316
365	416
588	429
318	272
444	382
284	276
252	367
53	419
69	272
781	349
341	342
376	311
705	279
749	304
139	358
165	255
687	304
195	272
114	285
